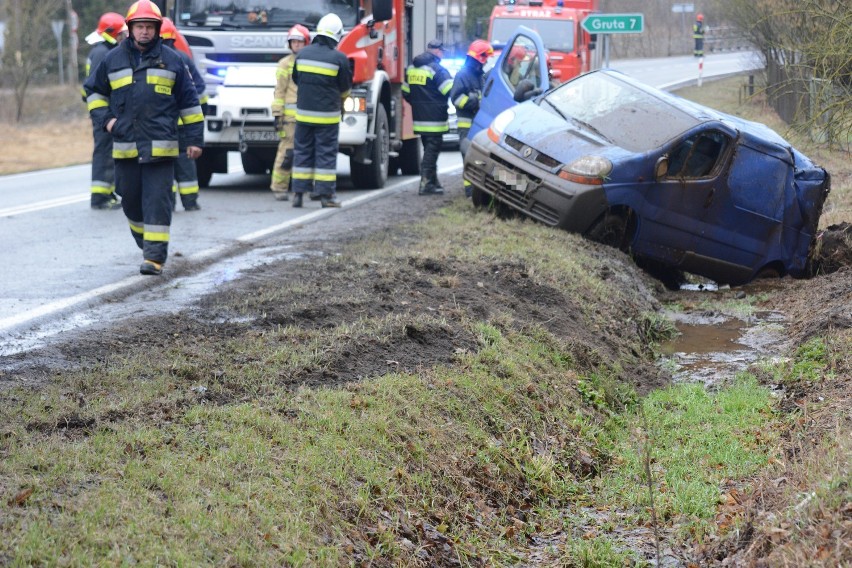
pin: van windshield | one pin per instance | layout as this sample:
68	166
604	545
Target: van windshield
557	35
254	15
625	114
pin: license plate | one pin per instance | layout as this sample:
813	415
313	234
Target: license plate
261	136
514	180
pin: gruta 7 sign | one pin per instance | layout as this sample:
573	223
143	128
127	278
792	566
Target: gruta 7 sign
614	23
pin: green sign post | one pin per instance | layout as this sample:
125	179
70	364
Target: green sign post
614	23
606	24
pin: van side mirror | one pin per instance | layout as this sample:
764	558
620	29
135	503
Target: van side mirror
661	168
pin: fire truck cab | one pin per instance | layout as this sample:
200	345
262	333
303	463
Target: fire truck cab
557	22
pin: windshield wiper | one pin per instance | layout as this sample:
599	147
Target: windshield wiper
554	107
588	126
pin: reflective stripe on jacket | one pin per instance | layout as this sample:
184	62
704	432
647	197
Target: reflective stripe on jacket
467	90
427	88
324	79
284	103
148	94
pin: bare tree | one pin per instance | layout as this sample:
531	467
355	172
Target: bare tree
807	46
29	46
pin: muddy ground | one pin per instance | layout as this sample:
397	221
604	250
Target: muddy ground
331	296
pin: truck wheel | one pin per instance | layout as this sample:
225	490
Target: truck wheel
375	174
409	157
253	164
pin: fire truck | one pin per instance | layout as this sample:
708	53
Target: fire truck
381	37
558	22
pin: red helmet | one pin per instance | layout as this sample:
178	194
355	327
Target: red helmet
299	33
517	53
700	17
144	11
168	29
480	50
110	25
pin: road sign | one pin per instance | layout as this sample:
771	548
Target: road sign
681	8
614	23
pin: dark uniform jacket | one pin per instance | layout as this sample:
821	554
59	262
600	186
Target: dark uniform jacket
96	55
148	93
324	79
467	90
426	88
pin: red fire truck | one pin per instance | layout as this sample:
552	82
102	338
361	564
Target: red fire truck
558	22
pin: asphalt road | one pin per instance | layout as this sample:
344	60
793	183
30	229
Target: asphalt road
61	258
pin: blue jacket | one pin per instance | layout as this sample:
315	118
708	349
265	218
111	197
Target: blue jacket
467	91
148	93
426	88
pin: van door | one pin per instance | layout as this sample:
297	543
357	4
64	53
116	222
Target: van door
523	58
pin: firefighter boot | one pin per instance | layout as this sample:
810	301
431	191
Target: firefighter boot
190	202
297	200
436	182
151	268
108	202
331	201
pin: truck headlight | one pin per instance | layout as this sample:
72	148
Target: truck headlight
355	104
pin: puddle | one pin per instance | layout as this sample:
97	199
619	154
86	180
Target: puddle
713	349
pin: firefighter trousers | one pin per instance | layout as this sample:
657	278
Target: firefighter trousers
464	144
146	197
283	168
429	165
103	169
315	159
186	181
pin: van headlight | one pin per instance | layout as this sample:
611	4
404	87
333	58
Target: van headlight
588	170
499	124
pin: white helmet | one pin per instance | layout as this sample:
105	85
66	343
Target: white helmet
330	26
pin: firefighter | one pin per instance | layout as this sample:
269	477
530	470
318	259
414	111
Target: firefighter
186	176
698	35
467	92
427	88
110	31
284	111
138	94
324	79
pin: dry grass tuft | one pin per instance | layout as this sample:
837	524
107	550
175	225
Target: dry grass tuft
55	130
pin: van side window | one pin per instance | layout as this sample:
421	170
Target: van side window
521	62
697	156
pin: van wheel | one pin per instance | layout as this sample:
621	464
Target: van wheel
610	229
375	174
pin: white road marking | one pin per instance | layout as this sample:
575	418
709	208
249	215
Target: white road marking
6	324
41	205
